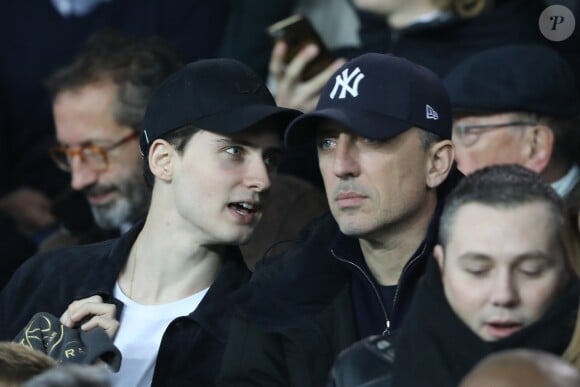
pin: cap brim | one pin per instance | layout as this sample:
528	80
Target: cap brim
238	120
361	123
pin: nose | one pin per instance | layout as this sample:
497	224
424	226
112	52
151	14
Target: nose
345	163
81	175
257	176
505	290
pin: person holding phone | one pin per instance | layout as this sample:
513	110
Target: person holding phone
435	34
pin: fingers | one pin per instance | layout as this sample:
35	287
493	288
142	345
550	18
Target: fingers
290	90
277	65
289	74
297	65
317	83
325	75
95	312
110	325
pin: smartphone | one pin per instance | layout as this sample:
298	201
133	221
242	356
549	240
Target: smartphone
297	31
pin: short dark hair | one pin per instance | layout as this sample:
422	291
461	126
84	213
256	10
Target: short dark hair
136	66
178	139
428	138
502	186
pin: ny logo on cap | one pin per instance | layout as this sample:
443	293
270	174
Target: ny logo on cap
430	113
347	82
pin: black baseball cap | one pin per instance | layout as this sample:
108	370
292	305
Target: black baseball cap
378	96
529	78
219	95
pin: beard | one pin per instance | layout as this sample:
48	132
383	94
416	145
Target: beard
131	203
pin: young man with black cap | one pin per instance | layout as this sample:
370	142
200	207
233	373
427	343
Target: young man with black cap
211	140
382	129
517	104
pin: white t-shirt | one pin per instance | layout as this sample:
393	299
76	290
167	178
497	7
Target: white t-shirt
139	336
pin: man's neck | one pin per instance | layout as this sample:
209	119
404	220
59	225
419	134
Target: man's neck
386	256
166	265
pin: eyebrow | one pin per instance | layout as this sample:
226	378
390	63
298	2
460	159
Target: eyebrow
90	142
534	255
474	257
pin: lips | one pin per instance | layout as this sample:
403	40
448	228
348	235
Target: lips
100	198
502	329
349	199
246	207
245	212
97	195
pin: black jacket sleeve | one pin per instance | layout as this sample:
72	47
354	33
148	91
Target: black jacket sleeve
253	357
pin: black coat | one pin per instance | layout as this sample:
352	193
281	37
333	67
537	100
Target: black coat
438	343
192	346
301	309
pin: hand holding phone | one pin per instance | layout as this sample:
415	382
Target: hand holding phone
297	32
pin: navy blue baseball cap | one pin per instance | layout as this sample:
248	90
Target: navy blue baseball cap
219	95
378	96
529	78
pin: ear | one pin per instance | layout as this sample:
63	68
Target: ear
439	256
439	161
539	141
161	159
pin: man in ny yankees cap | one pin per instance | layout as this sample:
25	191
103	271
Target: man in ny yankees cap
382	128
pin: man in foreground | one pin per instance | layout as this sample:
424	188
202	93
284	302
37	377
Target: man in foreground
211	141
502	279
382	130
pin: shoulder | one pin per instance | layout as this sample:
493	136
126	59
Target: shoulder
303	280
49	282
66	259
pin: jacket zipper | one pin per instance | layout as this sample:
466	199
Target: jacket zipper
387	330
405	268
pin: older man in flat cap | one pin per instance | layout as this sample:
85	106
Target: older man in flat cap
517	104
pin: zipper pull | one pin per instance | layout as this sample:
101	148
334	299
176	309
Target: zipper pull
387	331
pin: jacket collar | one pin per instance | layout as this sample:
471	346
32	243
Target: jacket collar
217	308
101	280
432	331
304	280
212	313
295	284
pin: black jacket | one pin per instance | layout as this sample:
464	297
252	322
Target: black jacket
436	342
192	346
301	309
445	349
442	43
